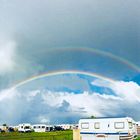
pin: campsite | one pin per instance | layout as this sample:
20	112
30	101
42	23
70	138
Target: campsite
101	128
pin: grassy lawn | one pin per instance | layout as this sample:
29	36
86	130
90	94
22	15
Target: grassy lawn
58	135
61	135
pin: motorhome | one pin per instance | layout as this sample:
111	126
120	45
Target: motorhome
25	127
107	129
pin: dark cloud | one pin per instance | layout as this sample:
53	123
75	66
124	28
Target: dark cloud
38	27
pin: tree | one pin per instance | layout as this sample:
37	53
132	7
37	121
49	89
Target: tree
4	124
92	117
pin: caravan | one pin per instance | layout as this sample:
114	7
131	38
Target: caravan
42	128
39	128
107	129
25	127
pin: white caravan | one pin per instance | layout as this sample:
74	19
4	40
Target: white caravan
42	128
39	128
107	129
25	127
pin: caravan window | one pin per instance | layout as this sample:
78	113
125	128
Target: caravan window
119	125
85	125
130	125
97	125
27	127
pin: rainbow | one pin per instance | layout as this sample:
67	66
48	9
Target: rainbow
83	49
99	52
54	73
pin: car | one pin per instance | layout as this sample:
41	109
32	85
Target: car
11	129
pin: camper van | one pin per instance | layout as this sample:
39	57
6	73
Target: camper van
25	127
107	129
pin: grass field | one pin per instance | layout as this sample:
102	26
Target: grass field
61	135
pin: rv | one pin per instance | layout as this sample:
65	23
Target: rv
107	129
25	127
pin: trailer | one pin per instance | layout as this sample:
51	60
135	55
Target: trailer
107	129
42	128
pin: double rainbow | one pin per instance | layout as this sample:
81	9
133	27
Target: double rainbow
83	49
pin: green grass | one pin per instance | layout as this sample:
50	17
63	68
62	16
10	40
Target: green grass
61	135
58	135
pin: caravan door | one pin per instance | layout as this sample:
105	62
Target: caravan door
102	130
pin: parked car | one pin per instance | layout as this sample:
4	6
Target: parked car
11	129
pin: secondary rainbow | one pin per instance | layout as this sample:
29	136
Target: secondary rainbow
99	52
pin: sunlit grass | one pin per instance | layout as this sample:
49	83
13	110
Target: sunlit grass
59	135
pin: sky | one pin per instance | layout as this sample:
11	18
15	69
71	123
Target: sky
65	60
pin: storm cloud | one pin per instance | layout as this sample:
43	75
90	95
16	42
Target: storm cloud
41	28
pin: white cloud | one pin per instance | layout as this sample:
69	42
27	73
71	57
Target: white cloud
8	94
7	56
91	103
43	106
43	119
129	91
